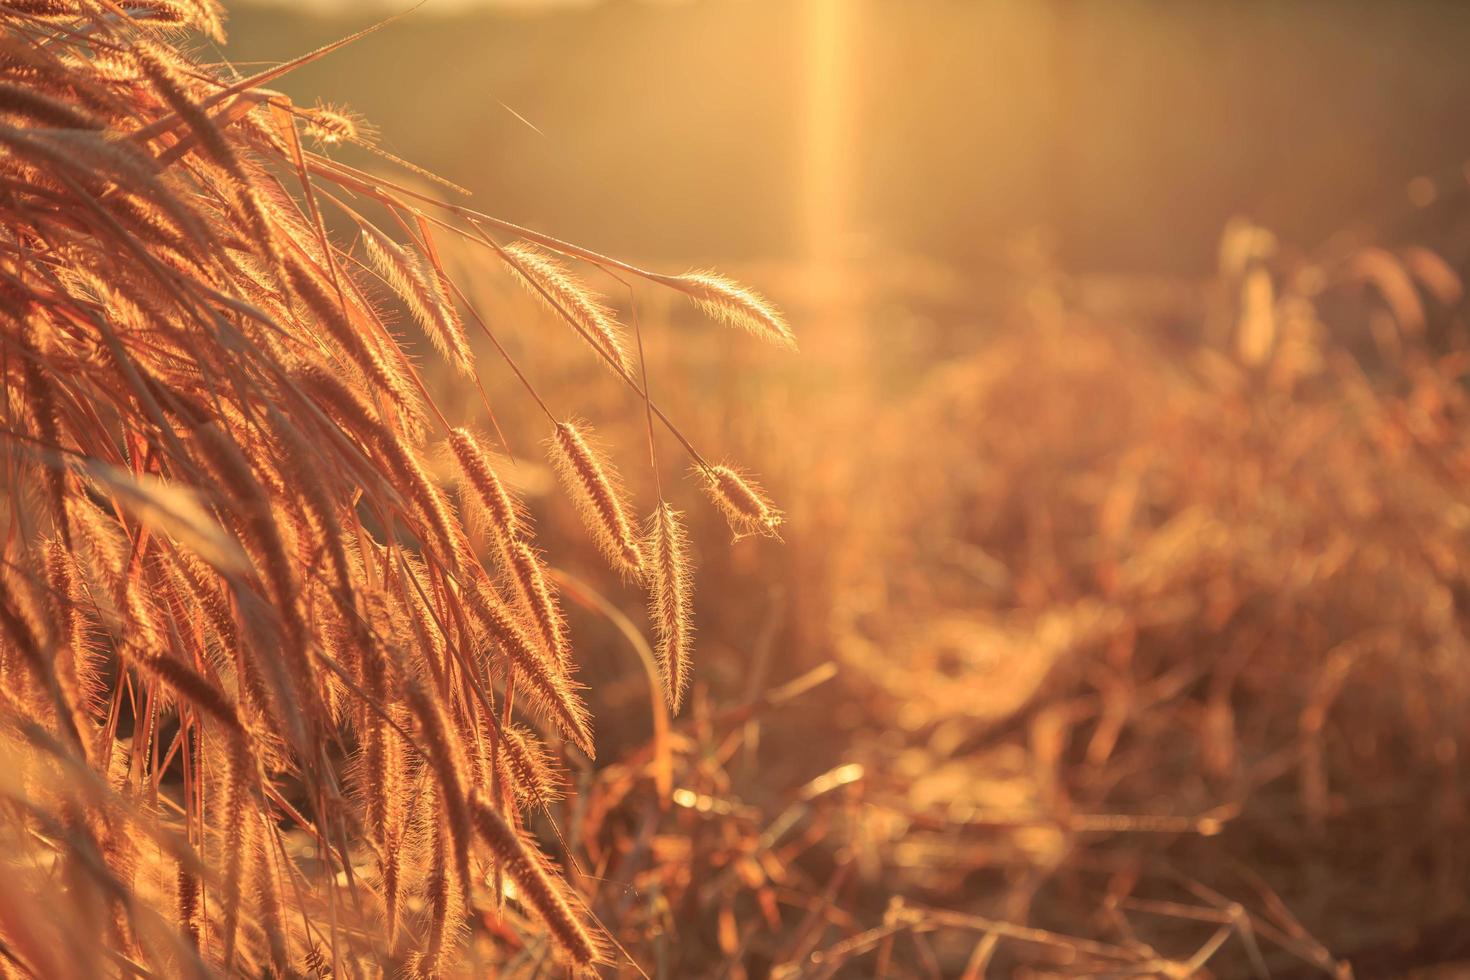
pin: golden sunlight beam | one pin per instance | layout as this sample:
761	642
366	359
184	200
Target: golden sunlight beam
827	154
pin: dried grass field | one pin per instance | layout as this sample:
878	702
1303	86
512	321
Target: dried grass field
391	589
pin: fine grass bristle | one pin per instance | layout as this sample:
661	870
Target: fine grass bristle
593	484
669	595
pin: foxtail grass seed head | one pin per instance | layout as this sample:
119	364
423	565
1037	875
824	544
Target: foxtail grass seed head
526	571
330	125
543	684
594	486
539	889
537	777
555	286
669	599
486	498
416	282
742	501
730	303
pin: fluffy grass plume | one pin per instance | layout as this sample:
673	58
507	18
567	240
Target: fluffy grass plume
735	305
539	888
555	286
742	501
594	484
669	599
485	496
422	291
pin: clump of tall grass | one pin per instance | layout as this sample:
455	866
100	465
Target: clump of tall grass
237	609
1196	619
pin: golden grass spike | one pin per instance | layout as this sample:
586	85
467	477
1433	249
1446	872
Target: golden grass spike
549	691
74	680
526	571
543	893
202	15
669	599
535	775
599	495
448	768
392	868
42	402
316	500
24	637
268	896
194	688
233	813
445	900
341	402
487	501
35	107
418	284
330	125
44	8
360	349
599	326
395	792
742	501
735	305
433	506
187	905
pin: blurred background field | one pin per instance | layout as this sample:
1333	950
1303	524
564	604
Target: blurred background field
1129	131
1123	585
